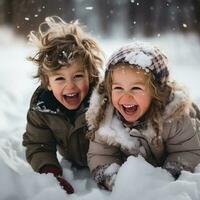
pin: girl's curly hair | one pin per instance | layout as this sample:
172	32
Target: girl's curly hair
161	95
59	44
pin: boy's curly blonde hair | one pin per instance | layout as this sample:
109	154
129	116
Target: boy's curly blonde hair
59	44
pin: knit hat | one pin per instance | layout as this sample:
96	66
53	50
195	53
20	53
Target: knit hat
143	56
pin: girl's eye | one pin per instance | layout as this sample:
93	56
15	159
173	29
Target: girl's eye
136	88
59	78
117	88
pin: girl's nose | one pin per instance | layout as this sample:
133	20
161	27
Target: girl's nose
127	96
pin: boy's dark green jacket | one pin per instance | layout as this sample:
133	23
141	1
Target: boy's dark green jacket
51	127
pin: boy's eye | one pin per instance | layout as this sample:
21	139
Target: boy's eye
59	78
78	76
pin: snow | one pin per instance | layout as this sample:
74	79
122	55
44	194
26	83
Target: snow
142	55
140	180
139	58
112	169
136	178
113	133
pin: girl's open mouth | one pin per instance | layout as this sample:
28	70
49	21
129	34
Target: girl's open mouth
130	109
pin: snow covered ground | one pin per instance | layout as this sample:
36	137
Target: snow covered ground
136	178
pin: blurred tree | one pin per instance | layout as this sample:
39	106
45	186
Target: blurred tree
33	12
114	14
140	17
89	14
26	15
106	17
106	10
6	11
158	16
196	4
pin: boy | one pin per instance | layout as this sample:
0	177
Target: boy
68	61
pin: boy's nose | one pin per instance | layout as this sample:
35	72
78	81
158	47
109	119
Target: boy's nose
70	85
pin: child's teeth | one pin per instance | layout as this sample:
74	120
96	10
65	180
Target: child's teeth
128	106
70	95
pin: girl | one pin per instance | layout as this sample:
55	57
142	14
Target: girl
137	110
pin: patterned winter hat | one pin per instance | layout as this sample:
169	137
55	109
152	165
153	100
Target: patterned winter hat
143	56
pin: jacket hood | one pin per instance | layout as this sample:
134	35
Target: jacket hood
112	131
43	100
179	99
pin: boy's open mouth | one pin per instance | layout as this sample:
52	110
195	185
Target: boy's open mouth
72	97
130	109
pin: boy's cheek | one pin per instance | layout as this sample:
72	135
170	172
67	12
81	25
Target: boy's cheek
85	91
85	87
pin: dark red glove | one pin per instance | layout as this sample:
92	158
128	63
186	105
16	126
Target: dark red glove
57	172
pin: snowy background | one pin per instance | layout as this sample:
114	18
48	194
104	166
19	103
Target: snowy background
136	179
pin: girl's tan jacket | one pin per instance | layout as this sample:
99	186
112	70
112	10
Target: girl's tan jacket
179	142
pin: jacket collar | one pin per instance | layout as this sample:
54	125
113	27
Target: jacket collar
44	101
112	130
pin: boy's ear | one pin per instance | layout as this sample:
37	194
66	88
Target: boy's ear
49	87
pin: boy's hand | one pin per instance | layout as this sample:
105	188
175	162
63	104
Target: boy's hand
65	185
57	172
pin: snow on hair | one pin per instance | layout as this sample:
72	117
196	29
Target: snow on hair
54	27
59	43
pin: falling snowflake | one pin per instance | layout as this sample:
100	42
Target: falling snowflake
27	18
185	25
89	8
111	11
151	8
